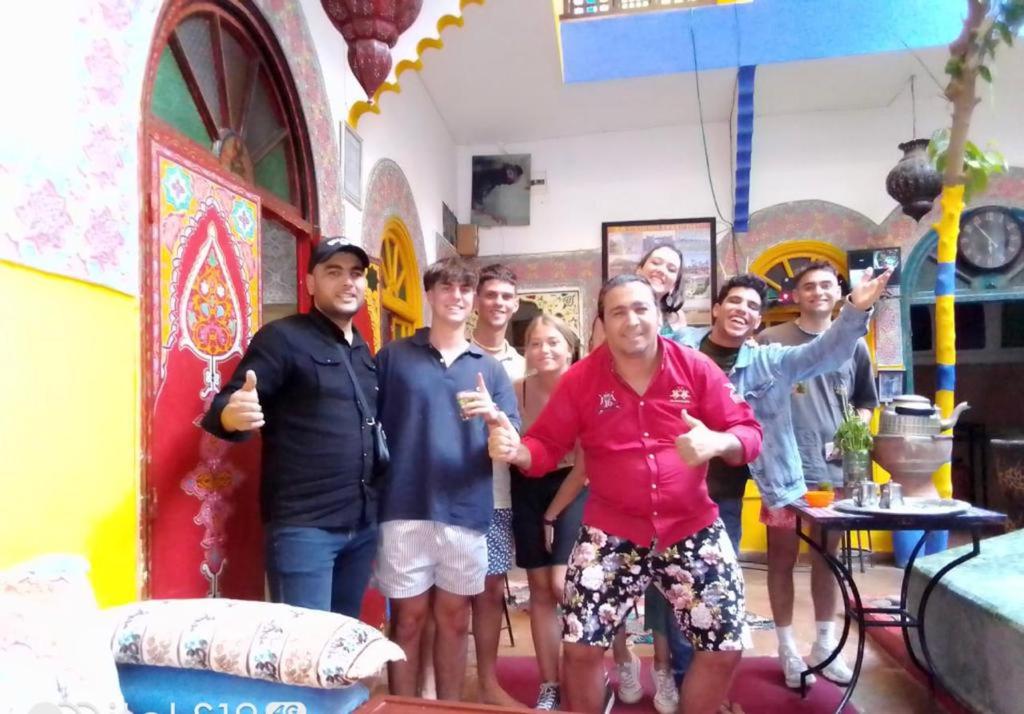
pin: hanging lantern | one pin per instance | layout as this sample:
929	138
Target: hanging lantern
914	182
371	28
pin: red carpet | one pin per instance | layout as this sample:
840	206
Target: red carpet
890	639
758	688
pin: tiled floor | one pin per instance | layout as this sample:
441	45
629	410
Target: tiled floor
884	686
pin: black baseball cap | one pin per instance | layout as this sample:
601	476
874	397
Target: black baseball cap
327	247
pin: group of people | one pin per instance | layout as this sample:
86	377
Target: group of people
617	475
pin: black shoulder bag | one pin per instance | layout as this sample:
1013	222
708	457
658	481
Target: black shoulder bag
381	455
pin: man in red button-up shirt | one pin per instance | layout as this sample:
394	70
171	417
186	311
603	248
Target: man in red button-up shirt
649	415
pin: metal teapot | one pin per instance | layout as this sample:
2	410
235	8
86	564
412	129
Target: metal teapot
913	415
909	444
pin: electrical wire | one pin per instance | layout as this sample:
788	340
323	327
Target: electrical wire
703	133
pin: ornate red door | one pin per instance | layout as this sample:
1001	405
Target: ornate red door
202	301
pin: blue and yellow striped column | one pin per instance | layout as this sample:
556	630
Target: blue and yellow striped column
948	229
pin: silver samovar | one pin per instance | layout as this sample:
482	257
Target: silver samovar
910	444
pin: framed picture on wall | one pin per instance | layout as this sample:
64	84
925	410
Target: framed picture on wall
624	243
877	260
501	190
352	165
890	385
449	223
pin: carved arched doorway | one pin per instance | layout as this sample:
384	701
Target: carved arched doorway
232	209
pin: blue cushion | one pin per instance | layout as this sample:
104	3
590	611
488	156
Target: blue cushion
155	689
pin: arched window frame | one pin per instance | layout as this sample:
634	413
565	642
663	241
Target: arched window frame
400	274
300	217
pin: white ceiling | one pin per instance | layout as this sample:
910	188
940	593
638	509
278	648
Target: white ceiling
498	80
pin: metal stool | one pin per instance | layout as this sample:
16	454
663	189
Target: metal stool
508	618
846	550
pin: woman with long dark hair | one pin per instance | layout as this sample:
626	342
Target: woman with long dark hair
662	266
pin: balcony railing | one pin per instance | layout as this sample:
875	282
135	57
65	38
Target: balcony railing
576	9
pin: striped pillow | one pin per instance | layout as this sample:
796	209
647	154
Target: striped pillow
259	640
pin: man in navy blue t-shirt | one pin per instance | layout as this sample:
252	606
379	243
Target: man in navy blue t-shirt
438	391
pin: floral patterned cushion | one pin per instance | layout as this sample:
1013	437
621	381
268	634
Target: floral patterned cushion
53	648
273	642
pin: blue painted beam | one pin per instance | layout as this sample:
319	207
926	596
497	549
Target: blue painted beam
744	147
755	33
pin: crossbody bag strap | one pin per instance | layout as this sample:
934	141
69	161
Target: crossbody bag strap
364	407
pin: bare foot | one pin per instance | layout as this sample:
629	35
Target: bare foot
493	694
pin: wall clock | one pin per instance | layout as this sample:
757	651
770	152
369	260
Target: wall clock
990	238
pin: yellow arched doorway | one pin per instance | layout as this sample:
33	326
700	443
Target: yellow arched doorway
401	292
781	262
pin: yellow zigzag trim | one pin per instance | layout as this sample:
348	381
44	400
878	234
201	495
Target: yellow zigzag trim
427	43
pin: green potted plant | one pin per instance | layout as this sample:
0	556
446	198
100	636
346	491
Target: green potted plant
853	439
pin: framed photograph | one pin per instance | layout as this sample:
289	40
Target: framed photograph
449	224
351	165
890	385
624	243
876	259
501	190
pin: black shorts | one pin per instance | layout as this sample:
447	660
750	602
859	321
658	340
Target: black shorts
530	499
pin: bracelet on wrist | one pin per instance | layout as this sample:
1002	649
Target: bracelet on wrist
549	521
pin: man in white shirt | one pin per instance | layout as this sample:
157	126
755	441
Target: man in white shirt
496	304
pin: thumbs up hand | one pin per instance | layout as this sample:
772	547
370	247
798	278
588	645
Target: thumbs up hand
243	411
503	441
250	381
478	402
699	444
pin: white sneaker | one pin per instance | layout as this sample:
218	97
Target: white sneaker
837	670
793	666
666	694
630	689
549	697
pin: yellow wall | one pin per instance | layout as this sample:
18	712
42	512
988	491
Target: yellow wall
69	385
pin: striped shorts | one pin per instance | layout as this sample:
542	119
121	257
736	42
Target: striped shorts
413	556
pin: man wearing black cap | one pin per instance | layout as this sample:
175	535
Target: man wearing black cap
318	500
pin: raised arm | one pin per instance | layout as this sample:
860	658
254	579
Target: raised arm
827	352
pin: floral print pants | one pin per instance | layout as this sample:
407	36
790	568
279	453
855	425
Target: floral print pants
699	576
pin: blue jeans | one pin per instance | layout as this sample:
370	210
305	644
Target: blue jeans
903	543
320	568
730	511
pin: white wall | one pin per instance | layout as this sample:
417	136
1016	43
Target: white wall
409	130
838	156
844	156
619	176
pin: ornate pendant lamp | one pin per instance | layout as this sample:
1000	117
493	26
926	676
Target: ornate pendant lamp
914	182
371	28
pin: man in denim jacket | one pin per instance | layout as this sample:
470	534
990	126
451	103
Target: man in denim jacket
764	376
